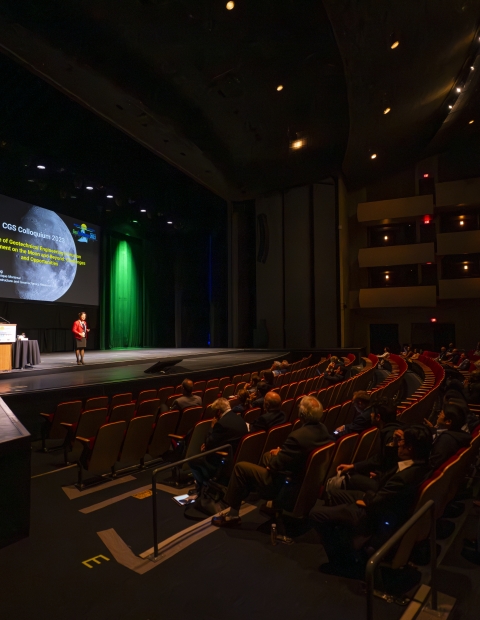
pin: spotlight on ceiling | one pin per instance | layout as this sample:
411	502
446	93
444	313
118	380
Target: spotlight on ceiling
458	89
31	180
462	222
280	87
89	187
470	122
143	210
465	266
40	167
472	68
297	144
394	45
425	176
386	111
230	5
373	156
109	196
450	106
135	221
387	277
169	222
433	320
386	238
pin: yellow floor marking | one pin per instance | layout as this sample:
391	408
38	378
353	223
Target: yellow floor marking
96	560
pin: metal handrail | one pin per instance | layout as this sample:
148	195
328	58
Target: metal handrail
171	466
378	555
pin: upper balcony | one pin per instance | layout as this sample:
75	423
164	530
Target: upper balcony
398	297
397	255
413	206
467	242
462	193
464	288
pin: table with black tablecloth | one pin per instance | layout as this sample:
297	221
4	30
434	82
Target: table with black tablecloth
25	352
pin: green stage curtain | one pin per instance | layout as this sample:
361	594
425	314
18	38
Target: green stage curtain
125	303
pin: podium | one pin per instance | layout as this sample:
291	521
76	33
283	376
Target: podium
8	335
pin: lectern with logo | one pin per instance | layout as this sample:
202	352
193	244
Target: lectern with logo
8	335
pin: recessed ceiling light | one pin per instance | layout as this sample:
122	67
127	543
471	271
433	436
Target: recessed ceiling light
169	222
450	106
472	68
458	89
387	277
230	5
297	144
109	196
143	210
386	111
394	44
470	122
89	187
280	87
373	156
31	180
40	167
465	266
135	221
386	238
462	222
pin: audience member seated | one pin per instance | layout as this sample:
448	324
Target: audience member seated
335	371
442	357
356	519
276	368
471	388
384	357
226	428
243	406
463	362
254	380
365	475
457	398
448	436
268	378
416	354
362	416
477	350
285	367
454	357
188	399
262	389
407	353
290	458
271	416
450	348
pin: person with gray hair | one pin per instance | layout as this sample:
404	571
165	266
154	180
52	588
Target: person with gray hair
226	428
276	368
291	457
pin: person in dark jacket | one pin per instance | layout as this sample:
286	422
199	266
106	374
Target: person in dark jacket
448	436
243	402
188	399
262	389
290	458
472	388
271	416
362	418
365	475
356	518
226	428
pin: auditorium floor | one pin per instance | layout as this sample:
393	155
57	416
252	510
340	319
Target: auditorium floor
226	574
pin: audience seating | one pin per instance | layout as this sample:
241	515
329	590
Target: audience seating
344	451
148	407
252	414
276	436
121	399
164	393
137	437
87	426
100	454
146	395
365	444
211	383
97	402
65	412
228	390
160	442
188	419
122	412
171	399
209	396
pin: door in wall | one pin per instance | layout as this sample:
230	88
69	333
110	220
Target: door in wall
384	335
432	336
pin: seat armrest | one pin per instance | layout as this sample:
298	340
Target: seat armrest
66	425
222	453
45	415
179	437
83	440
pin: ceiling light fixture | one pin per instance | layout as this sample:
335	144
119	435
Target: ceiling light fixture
472	68
386	111
425	176
450	107
31	180
433	320
280	87
143	210
462	222
387	277
297	144
135	221
89	187
109	196
169	222
458	89
470	122
40	167
465	266
373	156
394	45
386	238
230	5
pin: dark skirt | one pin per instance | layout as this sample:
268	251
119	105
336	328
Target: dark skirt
81	344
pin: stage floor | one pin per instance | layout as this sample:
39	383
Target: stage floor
60	371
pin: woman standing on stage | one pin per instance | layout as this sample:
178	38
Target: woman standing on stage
80	332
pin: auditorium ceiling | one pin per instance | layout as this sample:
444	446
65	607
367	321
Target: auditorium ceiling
266	95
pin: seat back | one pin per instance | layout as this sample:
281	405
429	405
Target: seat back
284	391
300	391
228	390
276	437
295	409
207	413
250	448
106	448
146	395
199	386
188	419
121	399
197	439
122	412
137	437
246	377
315	475
240	385
209	396
90	421
365	444
287	408
297	424
322	396
252	414
344	451
165	426
164	393
98	402
65	412
211	383
292	388
148	407
226	380
343	416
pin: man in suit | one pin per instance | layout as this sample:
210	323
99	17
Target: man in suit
362	419
227	428
448	436
291	457
271	415
356	516
188	399
365	475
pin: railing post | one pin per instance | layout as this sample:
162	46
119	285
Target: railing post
155	524
433	557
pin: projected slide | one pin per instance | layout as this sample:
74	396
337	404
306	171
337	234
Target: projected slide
45	256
